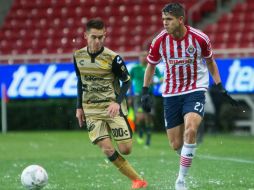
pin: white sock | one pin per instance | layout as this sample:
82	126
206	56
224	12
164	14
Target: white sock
187	154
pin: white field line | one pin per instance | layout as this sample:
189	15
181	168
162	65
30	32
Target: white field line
226	159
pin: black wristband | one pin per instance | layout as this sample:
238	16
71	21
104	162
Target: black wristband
145	90
219	85
221	88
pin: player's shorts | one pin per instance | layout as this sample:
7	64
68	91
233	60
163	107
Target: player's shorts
100	127
175	107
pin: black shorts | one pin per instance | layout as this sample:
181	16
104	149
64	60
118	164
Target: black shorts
175	107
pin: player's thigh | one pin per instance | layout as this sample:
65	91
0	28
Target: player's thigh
173	111
193	109
194	102
97	129
121	131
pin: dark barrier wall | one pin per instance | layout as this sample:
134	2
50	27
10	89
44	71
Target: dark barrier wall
41	114
54	114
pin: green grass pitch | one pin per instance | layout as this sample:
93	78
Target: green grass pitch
223	162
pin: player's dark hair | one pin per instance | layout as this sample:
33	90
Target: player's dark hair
95	23
176	9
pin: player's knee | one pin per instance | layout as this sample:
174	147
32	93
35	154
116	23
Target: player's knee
176	145
125	150
108	151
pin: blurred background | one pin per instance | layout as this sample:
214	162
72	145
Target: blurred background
38	38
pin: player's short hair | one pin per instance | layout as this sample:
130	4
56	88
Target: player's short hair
95	23
176	9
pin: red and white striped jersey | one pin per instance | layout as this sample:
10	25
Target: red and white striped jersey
185	69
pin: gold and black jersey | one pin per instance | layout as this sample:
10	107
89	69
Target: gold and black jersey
100	76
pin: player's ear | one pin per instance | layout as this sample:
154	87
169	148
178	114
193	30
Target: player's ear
181	20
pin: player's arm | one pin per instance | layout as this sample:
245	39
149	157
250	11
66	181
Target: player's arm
153	59
79	109
121	72
149	72
213	69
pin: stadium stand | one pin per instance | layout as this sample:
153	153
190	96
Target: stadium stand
51	26
56	26
234	29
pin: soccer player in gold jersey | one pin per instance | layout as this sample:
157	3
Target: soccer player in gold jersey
101	100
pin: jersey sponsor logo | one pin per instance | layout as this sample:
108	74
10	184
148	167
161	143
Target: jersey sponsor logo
96	89
180	61
119	60
92	78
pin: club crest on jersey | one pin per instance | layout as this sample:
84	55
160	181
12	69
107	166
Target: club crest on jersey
191	50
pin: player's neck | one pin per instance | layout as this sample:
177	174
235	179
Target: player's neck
94	51
179	34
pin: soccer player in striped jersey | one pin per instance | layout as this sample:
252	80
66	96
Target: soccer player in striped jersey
101	100
187	55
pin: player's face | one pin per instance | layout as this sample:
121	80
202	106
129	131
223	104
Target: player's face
171	23
95	39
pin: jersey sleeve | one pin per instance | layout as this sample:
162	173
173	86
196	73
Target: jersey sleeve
207	48
76	67
119	69
154	56
79	85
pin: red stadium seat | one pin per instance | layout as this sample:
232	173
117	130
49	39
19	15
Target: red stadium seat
51	26
235	29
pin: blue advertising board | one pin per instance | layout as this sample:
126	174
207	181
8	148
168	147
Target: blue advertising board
237	75
59	80
39	80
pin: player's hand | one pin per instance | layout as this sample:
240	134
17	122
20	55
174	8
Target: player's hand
113	109
80	116
146	100
225	95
